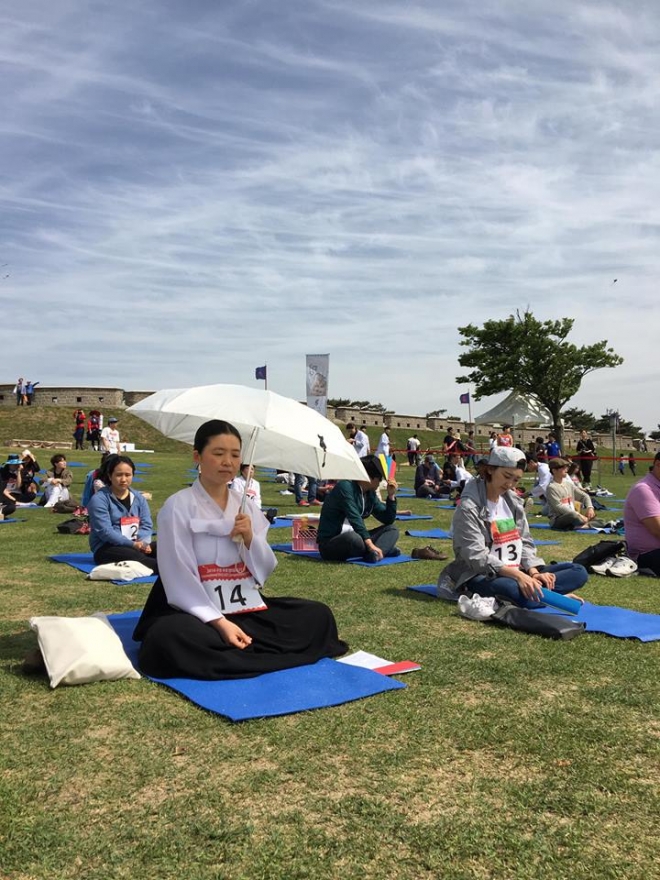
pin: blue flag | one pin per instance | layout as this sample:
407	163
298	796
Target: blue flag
465	398
260	373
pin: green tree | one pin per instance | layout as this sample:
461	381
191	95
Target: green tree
339	401
602	426
435	413
534	357
580	419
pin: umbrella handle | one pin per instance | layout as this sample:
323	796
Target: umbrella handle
252	445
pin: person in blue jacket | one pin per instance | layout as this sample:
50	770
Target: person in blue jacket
120	520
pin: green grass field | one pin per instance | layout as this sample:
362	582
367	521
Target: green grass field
507	756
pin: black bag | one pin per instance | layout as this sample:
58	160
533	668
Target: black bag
74	527
66	506
599	552
552	626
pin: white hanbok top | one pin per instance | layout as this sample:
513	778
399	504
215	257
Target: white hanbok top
193	531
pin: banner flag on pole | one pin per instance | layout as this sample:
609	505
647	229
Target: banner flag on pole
318	366
465	398
260	373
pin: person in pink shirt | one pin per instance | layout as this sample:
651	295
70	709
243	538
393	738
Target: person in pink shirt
641	516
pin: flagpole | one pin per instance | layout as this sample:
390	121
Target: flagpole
266	378
471	428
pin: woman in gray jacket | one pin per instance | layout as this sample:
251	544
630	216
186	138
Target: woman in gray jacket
495	555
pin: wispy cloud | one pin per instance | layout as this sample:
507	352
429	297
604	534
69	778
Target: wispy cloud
189	191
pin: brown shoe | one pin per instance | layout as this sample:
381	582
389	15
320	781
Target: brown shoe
428	553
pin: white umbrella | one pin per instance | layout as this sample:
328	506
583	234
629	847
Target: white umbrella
290	436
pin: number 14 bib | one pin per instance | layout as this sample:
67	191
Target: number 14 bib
231	588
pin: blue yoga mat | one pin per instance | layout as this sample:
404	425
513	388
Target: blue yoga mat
429	589
144	464
9	519
281	522
323	684
621	623
407	517
428	533
572	531
314	554
85	562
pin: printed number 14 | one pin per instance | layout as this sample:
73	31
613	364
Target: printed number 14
236	597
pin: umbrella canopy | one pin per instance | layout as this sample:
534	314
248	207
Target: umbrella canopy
290	436
516	409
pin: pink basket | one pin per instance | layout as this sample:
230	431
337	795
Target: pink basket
303	535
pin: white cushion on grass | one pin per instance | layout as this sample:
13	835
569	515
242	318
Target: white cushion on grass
78	650
126	570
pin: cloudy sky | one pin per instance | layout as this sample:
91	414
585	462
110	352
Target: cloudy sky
193	189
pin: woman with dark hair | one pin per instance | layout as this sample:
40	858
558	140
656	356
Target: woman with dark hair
205	617
119	519
57	481
495	555
352	501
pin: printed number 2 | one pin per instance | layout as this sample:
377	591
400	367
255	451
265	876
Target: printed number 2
236	597
511	550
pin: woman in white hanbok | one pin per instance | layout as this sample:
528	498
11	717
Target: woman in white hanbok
205	617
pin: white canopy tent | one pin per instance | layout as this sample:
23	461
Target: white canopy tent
516	409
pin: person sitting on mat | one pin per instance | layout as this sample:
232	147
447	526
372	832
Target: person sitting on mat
16	482
56	482
205	617
428	479
561	497
246	478
351	502
7	500
119	519
495	555
31	468
641	517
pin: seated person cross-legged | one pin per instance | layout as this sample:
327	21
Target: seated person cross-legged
563	497
17	481
641	517
205	617
120	521
56	482
495	555
342	533
428	479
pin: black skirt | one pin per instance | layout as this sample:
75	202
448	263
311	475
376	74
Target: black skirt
290	632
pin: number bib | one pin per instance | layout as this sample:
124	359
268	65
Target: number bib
231	588
507	543
129	527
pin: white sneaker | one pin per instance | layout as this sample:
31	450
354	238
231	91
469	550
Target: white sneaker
477	607
604	566
623	567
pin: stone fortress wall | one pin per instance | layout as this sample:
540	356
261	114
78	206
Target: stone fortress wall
110	398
